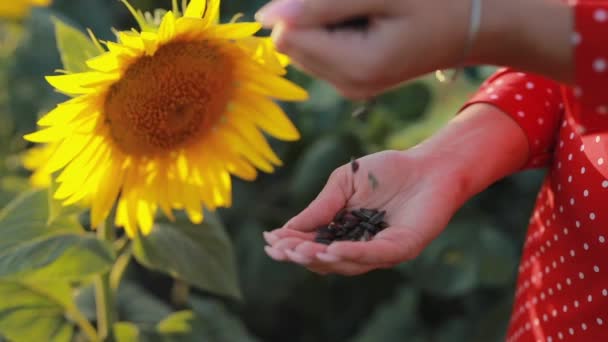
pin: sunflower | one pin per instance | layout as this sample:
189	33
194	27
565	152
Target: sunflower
19	8
166	115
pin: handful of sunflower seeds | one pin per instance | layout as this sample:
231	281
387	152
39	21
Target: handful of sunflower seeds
356	225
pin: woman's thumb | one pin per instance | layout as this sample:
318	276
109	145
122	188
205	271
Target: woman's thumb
326	205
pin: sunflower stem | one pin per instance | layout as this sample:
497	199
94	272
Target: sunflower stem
104	296
180	294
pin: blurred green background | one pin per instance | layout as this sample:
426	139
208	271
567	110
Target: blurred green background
459	289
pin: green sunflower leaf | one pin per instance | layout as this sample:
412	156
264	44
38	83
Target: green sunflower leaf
201	255
208	321
27	217
31	312
126	332
38	248
66	257
75	48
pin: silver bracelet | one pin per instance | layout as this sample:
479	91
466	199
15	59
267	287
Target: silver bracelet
475	23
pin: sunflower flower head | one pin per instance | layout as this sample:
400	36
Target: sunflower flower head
15	9
166	115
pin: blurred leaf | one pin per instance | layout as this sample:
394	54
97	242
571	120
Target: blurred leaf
498	261
258	272
134	304
449	266
219	325
35	57
182	326
454	330
127	332
58	211
208	321
27	218
447	101
65	256
99	15
34	247
35	313
75	48
201	255
393	321
492	326
324	99
407	102
317	163
11	186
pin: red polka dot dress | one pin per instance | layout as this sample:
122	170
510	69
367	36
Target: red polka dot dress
562	290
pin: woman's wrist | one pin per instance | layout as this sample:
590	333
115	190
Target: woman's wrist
530	35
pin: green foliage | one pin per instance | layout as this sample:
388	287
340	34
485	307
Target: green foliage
201	254
30	312
74	47
38	249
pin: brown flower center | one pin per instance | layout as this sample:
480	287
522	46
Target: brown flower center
169	99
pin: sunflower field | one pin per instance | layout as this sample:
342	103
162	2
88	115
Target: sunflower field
146	145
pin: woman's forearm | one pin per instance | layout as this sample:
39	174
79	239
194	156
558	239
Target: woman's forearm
478	147
530	35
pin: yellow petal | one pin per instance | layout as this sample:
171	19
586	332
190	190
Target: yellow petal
160	185
79	170
131	40
256	80
67	150
234	140
51	134
167	28
79	83
65	112
235	164
86	181
212	14
191	28
241	169
253	137
268	116
192	203
195	8
109	187
123	49
150	40
107	62
236	30
145	215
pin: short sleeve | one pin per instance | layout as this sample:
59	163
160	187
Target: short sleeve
534	102
590	42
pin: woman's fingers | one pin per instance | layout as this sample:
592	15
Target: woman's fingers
313	13
345	57
390	247
276	235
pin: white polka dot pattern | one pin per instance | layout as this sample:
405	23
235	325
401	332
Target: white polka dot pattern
562	290
562	287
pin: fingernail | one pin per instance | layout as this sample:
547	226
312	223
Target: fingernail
274	253
281	9
297	257
270	237
328	257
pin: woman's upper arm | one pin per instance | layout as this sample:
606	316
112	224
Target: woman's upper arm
533	102
590	44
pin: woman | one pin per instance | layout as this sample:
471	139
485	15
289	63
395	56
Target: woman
547	108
